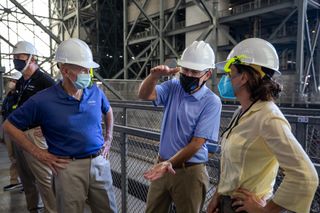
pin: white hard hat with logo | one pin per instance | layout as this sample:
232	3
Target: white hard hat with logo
13	75
75	51
24	47
198	56
252	51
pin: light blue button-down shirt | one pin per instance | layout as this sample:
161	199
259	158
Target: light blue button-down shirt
186	116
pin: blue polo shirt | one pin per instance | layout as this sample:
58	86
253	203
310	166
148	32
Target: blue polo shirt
71	127
186	116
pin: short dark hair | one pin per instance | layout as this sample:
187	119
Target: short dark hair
260	88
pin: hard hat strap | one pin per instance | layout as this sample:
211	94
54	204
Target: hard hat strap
27	64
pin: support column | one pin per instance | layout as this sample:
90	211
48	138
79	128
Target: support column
161	25
125	42
302	10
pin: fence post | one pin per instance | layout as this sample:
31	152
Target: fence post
124	179
301	131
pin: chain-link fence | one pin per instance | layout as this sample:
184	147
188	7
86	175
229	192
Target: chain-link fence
135	148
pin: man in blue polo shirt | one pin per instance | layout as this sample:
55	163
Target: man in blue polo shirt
35	176
70	115
191	118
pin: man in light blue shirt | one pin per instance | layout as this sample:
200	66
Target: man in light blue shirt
191	119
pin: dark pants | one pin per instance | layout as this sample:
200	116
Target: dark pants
34	202
226	205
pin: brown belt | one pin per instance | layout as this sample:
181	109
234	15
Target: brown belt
182	165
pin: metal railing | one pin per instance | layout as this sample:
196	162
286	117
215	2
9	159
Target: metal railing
135	148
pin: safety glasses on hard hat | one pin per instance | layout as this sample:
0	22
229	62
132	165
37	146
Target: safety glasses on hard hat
234	60
239	60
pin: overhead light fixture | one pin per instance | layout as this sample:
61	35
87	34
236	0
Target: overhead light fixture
230	8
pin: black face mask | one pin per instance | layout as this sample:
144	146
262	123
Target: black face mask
19	64
190	84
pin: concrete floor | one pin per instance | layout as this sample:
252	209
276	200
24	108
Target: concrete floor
13	201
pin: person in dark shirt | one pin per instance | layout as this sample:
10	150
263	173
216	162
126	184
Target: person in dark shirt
35	176
7	107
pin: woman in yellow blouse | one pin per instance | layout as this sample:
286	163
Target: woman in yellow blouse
259	140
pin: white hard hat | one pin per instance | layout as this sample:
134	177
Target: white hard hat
253	51
13	75
198	56
24	47
75	51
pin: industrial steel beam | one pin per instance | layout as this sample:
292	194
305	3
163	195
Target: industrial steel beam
191	28
138	56
204	8
255	12
125	39
310	64
146	62
125	7
282	24
6	40
172	15
314	4
146	15
302	10
45	29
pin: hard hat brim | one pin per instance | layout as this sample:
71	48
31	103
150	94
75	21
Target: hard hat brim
91	65
10	77
16	53
193	66
220	66
85	64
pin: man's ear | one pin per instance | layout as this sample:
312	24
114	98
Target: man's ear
63	70
208	74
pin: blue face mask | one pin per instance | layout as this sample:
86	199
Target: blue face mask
225	88
83	81
19	64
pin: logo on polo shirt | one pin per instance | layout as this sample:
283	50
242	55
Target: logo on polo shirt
92	102
30	87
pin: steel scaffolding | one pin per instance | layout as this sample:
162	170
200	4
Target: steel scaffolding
155	33
156	30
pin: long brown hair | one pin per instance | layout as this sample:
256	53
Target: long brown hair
260	88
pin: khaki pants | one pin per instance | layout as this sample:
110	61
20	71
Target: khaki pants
43	176
14	177
41	172
187	189
85	180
